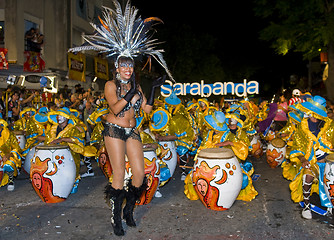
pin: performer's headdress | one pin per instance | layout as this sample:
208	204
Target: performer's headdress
172	99
65	112
296	116
159	120
216	121
26	110
191	104
42	115
315	106
235	116
123	34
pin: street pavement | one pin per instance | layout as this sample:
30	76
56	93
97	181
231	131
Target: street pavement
85	214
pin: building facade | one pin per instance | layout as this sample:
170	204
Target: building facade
61	22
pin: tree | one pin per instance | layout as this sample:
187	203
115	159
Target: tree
300	25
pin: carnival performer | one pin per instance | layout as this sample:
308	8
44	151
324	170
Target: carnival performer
96	140
121	137
36	128
281	116
220	135
192	107
248	112
25	115
296	94
290	169
89	151
10	157
204	110
124	36
263	111
266	126
237	137
64	131
150	141
180	125
313	141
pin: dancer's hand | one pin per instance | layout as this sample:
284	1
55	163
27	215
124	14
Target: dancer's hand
159	81
133	90
305	163
155	84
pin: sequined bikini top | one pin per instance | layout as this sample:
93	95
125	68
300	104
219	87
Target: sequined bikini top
136	106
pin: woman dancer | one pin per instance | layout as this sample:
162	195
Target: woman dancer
125	98
124	36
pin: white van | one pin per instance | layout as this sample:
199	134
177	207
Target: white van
32	81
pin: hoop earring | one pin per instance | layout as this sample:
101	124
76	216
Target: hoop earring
118	77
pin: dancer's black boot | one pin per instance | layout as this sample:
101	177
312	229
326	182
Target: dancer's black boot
132	195
115	198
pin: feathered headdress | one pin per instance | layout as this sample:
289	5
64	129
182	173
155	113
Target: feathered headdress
124	34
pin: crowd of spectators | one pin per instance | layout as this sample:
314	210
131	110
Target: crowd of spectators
85	101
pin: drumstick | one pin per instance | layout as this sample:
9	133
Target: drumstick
186	167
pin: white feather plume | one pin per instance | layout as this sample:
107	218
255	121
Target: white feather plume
122	33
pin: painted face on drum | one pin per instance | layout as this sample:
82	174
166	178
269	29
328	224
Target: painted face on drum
61	119
202	186
103	159
37	180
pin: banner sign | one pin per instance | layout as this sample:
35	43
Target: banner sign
76	66
206	90
3	60
101	68
33	62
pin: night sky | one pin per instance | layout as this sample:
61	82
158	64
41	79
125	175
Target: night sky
237	32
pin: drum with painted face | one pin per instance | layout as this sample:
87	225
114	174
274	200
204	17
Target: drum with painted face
53	172
329	177
21	139
217	178
169	155
256	146
104	162
276	152
152	173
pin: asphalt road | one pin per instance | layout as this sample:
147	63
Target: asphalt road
85	215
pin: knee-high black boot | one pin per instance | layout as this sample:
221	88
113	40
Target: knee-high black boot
132	194
116	198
